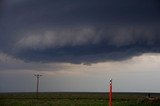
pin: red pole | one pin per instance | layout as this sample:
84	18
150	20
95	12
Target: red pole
110	93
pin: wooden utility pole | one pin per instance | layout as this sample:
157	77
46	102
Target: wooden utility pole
37	88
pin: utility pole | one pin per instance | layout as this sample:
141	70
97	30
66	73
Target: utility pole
37	76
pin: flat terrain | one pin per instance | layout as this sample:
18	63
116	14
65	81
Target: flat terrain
77	99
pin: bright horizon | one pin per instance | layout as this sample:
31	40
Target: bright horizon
83	78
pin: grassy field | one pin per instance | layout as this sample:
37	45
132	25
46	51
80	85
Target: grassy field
76	99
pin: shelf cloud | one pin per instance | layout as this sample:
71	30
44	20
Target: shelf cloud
79	31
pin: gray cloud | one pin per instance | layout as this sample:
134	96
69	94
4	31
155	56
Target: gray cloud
113	35
58	38
79	31
9	63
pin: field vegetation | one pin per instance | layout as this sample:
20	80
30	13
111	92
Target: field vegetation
77	99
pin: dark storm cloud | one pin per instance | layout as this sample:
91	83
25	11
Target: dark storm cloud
79	31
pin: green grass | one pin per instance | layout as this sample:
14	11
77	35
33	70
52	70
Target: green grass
72	99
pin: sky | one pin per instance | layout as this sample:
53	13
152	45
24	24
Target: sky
78	45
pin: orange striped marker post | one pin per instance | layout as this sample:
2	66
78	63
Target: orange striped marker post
110	93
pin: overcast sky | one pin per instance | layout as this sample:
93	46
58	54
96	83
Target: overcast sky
78	45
